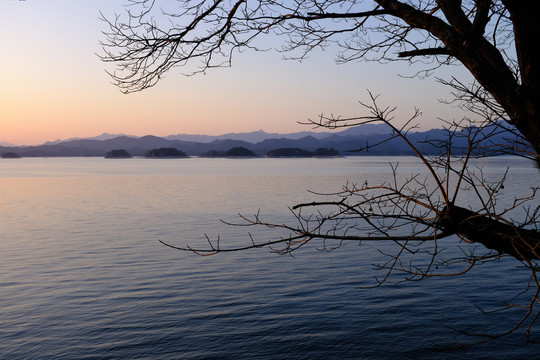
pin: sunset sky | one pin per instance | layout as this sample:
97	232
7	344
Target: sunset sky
54	86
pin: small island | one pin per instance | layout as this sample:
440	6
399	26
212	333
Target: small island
118	154
240	151
237	151
165	153
326	152
10	155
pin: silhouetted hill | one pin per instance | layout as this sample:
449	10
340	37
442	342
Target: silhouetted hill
240	151
10	155
167	152
118	154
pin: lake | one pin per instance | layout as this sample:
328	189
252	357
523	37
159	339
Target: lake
83	275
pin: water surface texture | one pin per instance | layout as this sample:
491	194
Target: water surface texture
83	276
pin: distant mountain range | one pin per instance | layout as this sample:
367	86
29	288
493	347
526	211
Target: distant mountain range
258	136
260	142
251	137
104	136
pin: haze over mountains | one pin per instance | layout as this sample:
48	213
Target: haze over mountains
260	142
251	137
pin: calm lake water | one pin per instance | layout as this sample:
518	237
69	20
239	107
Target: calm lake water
83	276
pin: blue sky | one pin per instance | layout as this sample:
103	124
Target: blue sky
54	86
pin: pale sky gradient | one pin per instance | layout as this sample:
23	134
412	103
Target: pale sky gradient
53	85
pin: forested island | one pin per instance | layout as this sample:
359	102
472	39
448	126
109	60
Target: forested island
234	152
240	151
10	155
166	153
118	154
237	151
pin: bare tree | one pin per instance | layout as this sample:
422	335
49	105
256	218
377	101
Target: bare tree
494	40
418	213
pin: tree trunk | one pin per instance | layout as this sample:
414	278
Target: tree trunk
524	16
523	244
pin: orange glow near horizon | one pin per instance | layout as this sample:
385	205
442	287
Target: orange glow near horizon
55	87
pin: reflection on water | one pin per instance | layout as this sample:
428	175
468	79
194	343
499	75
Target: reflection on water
83	275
